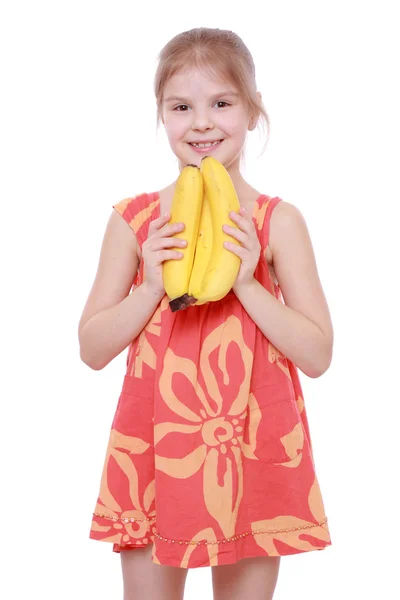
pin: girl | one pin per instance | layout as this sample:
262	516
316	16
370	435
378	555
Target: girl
209	460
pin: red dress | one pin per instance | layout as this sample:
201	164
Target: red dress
209	455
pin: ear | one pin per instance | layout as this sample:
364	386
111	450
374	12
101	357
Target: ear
254	118
252	124
161	114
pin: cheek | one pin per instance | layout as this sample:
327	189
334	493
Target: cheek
234	124
170	134
175	130
176	134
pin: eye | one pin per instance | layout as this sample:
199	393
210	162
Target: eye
222	102
180	106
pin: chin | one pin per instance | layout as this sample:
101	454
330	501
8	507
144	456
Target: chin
188	157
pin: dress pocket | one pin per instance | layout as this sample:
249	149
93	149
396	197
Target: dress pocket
137	386
134	415
276	431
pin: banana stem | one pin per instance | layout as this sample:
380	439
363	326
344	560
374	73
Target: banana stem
182	302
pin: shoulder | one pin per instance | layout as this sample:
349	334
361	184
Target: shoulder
287	225
132	204
296	268
137	210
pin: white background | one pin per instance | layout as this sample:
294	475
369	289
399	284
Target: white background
77	135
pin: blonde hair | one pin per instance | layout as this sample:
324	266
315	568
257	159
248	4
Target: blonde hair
217	50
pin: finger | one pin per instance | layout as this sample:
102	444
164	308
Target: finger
163	255
173	228
242	220
169	229
236	249
160	222
167	242
236	233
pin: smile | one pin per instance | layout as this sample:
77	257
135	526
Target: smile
202	146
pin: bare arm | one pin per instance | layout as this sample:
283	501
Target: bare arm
107	333
112	316
301	328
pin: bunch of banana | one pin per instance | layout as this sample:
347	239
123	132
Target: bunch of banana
207	271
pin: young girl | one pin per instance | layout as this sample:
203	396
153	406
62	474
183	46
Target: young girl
209	460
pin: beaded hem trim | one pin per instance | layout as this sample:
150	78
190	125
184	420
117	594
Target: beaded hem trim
241	535
123	519
222	541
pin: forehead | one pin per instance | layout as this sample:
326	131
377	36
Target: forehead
193	81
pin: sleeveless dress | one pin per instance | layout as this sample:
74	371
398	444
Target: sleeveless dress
209	456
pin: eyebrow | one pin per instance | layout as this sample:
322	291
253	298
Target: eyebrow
181	99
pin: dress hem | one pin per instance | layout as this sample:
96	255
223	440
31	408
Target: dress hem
228	557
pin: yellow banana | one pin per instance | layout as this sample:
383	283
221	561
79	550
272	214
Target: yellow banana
202	200
203	252
222	268
186	207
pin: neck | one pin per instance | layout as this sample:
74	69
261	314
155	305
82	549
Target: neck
238	181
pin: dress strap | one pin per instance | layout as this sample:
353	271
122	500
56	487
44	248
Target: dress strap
262	216
138	211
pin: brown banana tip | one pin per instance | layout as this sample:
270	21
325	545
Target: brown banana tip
182	302
190	165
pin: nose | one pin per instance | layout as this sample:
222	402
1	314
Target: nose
201	121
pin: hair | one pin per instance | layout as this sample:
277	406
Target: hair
219	51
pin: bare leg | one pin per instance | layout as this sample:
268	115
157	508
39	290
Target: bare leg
144	579
252	578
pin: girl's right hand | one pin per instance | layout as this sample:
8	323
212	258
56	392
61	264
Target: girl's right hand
158	247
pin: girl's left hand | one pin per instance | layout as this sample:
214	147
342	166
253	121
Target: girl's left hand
249	249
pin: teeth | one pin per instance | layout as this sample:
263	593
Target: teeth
205	145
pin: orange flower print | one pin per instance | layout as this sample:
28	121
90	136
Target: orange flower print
142	351
299	533
110	523
218	425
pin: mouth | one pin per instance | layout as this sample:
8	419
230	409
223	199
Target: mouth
205	146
